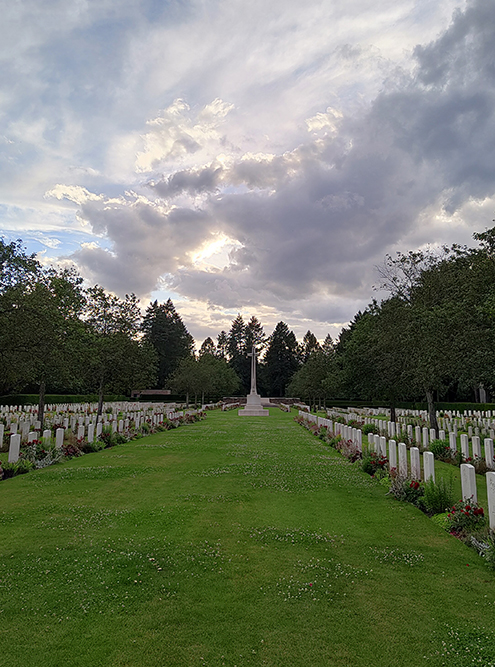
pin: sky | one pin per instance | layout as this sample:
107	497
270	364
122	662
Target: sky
255	157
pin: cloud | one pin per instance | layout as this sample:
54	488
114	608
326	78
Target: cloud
175	135
312	138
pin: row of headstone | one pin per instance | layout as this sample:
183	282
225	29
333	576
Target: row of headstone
398	458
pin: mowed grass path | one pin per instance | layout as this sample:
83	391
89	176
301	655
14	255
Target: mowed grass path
234	541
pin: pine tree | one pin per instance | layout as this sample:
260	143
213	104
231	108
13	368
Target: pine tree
208	347
310	345
222	345
281	359
164	329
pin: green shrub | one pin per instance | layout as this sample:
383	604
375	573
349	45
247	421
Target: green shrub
334	441
89	447
441	450
374	464
465	516
438	496
368	428
405	489
20	467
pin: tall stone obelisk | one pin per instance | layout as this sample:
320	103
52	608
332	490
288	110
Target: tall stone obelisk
253	404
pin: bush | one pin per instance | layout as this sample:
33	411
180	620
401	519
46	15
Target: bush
441	450
21	467
438	496
334	441
70	451
374	464
90	447
405	489
368	428
465	516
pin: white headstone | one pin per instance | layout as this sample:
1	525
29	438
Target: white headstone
415	463
59	438
14	447
468	482
433	434
392	454
453	442
99	428
425	438
91	432
402	459
490	489
383	445
429	466
465	445
441	434
476	446
80	431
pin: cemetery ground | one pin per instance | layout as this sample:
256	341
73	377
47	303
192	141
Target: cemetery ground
231	542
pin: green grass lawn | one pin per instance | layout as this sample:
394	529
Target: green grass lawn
231	542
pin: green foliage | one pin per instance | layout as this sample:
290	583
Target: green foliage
374	464
165	332
441	450
465	516
368	428
405	489
438	496
281	361
20	467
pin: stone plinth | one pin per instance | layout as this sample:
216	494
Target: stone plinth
253	407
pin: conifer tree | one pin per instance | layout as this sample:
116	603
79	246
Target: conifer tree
165	331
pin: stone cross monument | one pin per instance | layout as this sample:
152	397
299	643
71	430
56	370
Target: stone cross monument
253	404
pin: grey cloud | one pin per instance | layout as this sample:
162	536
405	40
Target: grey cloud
146	243
190	181
318	219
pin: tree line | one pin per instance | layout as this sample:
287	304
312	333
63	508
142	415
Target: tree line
59	336
432	338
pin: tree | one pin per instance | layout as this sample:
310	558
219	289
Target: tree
310	345
308	381
222	345
328	346
207	347
216	378
281	359
118	359
165	331
186	378
16	267
40	329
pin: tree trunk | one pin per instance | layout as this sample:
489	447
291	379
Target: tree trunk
187	400
202	398
431	411
41	404
100	399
